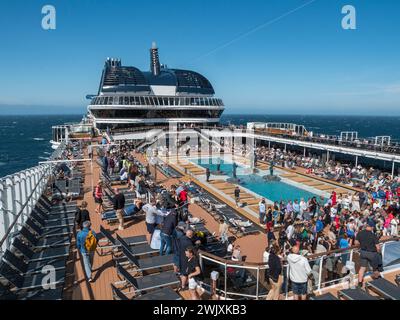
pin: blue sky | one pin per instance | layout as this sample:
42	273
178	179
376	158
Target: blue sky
303	63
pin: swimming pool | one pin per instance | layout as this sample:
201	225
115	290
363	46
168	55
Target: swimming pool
272	190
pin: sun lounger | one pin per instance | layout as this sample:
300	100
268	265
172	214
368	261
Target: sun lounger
326	296
150	282
384	288
137	250
47	233
169	171
217	248
30	281
47	205
162	294
129	212
60	186
118	294
114	243
40	254
52	294
74	188
69	207
6	294
53	223
44	242
27	267
111	180
355	294
149	263
66	218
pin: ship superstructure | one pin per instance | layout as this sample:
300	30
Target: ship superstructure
129	97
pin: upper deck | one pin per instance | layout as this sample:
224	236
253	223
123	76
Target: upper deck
104	270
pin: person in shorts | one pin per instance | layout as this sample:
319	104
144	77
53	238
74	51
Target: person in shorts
299	271
98	197
369	253
119	205
193	272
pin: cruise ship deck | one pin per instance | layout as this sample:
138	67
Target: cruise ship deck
250	236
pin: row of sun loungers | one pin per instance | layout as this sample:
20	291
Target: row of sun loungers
136	254
168	171
42	246
238	225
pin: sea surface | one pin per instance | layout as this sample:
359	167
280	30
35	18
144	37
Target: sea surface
25	140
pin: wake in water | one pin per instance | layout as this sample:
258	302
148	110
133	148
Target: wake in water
38	139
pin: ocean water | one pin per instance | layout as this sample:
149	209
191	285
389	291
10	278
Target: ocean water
25	140
332	125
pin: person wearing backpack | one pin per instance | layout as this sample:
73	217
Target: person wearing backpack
86	243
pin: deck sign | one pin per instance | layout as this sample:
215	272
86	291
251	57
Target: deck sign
49	18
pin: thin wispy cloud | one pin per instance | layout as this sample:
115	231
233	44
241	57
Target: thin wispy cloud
253	30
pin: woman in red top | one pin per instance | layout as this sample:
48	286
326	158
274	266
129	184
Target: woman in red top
98	197
333	198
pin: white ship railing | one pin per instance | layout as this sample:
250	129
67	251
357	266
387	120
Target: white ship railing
224	288
19	194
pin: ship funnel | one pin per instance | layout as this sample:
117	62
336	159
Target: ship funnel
154	60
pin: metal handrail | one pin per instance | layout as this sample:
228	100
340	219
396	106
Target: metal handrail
9	229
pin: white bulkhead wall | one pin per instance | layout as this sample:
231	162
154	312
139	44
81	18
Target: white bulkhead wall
163	90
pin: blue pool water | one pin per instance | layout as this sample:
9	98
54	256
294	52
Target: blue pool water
274	191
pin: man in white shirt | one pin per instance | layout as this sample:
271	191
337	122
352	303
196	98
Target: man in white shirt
299	270
289	231
262	209
303	207
151	212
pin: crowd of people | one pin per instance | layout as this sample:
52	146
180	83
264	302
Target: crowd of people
295	228
318	225
167	218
